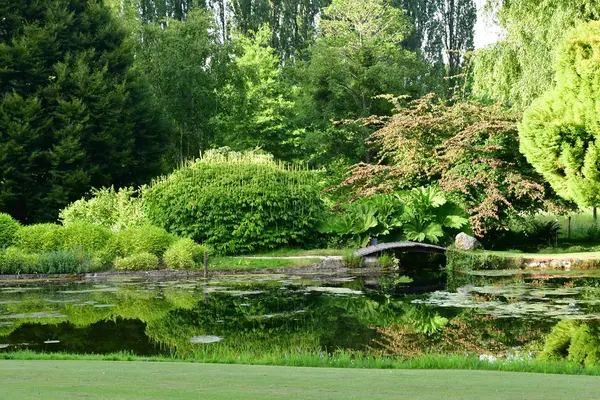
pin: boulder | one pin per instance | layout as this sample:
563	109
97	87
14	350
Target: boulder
466	242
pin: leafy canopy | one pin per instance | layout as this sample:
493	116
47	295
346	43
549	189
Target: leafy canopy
560	134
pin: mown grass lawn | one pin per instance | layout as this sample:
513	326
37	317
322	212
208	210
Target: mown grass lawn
147	380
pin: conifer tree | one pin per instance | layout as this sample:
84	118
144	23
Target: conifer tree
73	112
560	132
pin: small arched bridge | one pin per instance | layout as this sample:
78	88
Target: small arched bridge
399	247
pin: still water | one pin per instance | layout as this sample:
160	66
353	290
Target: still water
497	312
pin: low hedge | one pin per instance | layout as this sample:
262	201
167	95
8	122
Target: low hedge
184	254
17	261
137	262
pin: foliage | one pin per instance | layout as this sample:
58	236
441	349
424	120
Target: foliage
558	132
358	55
371	217
143	239
184	254
256	101
137	262
425	320
237	203
429	217
182	61
518	68
85	237
350	260
40	237
8	230
74	114
387	261
469	150
107	207
577	341
17	261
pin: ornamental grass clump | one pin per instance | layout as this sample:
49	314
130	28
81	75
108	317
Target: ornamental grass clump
184	254
237	203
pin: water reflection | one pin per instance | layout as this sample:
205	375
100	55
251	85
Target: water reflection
492	313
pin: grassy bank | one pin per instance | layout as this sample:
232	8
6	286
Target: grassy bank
135	380
323	360
251	263
458	260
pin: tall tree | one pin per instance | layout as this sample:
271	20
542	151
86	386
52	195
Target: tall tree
73	112
518	68
560	134
358	55
184	63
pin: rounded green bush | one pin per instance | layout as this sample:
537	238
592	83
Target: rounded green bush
137	262
184	254
85	236
40	237
143	239
237	205
8	229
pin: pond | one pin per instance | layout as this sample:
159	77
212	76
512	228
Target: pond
499	313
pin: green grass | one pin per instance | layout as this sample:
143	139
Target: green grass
301	252
143	380
314	359
249	263
580	224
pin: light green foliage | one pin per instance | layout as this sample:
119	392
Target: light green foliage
107	207
387	261
86	237
255	102
8	230
560	135
143	239
237	203
184	254
425	319
137	262
14	260
371	217
40	237
577	341
429	216
518	68
350	260
422	214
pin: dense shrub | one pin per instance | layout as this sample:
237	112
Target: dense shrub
85	237
237	203
576	341
8	230
144	239
18	261
40	237
137	262
184	254
110	208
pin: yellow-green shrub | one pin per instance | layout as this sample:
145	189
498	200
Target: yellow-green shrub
143	239
8	230
40	237
85	236
184	254
137	262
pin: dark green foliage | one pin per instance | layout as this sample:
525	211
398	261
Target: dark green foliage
16	261
40	237
184	254
73	113
559	132
237	205
137	262
143	239
8	230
